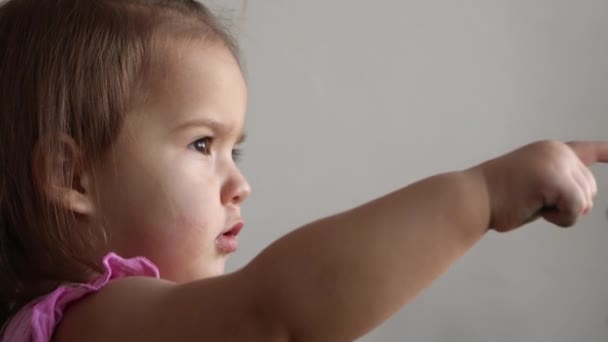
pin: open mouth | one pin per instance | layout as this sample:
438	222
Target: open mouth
234	231
227	242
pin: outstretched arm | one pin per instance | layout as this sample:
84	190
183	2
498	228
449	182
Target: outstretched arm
339	277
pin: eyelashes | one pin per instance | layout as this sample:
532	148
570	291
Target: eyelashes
237	154
203	145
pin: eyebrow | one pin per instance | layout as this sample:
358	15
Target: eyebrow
215	125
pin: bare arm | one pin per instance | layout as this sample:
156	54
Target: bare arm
332	280
337	278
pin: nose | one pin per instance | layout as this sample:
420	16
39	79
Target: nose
236	189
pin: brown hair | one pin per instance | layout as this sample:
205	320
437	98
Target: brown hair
71	67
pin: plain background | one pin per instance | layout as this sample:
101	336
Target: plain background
352	99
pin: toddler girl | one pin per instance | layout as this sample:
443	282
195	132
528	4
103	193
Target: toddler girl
120	124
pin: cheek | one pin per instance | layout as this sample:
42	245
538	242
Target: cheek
193	198
190	206
171	190
172	237
168	209
183	233
178	214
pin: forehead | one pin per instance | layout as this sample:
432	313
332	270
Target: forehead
197	81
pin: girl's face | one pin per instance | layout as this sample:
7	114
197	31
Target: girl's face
169	189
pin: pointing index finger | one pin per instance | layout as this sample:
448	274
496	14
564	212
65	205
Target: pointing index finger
590	152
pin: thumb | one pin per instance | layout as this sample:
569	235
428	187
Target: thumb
567	208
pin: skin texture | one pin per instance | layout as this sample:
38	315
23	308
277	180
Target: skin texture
334	279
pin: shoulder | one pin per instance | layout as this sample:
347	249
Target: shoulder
38	320
124	308
147	309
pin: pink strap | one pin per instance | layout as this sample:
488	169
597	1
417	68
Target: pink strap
37	321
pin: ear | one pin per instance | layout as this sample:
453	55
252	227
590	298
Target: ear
60	173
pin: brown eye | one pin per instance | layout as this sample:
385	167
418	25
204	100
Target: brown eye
203	145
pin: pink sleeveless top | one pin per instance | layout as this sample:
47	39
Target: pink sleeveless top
37	321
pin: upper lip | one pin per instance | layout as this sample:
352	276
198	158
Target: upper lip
235	228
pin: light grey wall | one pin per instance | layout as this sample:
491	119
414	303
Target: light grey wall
352	99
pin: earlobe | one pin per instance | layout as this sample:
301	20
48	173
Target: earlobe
60	174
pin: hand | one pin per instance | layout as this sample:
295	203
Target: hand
546	178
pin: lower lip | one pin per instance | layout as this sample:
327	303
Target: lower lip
226	243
